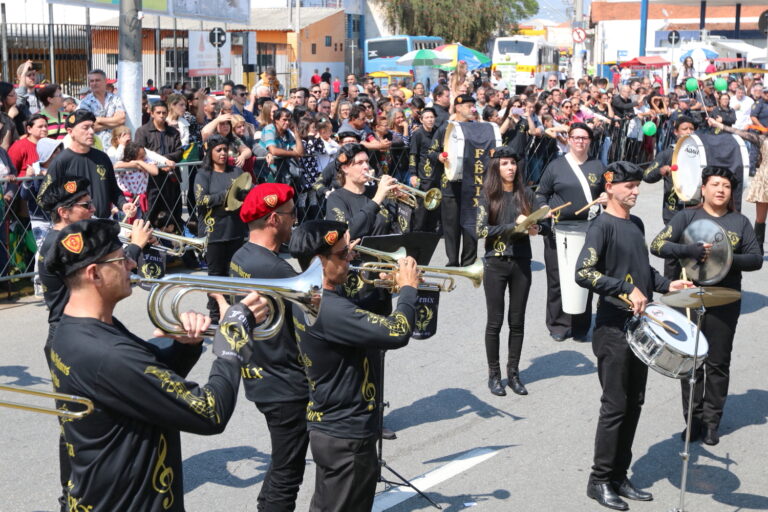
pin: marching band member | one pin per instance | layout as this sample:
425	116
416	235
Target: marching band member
126	454
504	202
224	229
339	350
274	378
662	168
719	323
577	179
614	262
422	175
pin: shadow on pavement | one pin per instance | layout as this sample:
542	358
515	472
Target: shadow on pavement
751	302
561	363
23	378
211	466
447	404
459	502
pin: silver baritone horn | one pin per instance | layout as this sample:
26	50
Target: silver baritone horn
165	297
181	244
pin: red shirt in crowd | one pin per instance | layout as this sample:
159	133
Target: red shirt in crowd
336	86
316	79
23	153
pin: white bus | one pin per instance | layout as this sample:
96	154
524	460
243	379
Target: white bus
524	60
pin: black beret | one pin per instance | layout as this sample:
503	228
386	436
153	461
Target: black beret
79	116
504	152
343	135
215	140
64	192
622	171
82	243
315	237
463	98
718	171
347	153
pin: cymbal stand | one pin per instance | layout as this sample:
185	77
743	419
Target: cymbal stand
382	463
685	454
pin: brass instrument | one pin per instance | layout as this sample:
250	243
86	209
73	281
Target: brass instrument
166	295
392	257
181	243
444	283
431	197
75	415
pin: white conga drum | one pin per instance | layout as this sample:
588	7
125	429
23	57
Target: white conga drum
569	238
460	136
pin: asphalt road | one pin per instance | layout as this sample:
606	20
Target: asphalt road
528	453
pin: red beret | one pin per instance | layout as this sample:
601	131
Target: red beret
264	199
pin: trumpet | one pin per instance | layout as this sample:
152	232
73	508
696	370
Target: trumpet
166	295
442	277
392	257
431	197
181	243
75	415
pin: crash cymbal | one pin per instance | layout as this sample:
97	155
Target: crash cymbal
532	219
710	296
720	257
242	182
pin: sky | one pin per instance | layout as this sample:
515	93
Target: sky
555	10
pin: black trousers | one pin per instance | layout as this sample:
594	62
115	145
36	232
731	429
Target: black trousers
218	255
287	424
426	220
672	266
719	327
65	465
559	322
622	378
502	275
455	235
347	470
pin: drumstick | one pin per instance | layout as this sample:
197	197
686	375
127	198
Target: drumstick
553	210
651	317
588	205
687	310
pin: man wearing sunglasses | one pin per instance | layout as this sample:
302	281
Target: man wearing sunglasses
239	100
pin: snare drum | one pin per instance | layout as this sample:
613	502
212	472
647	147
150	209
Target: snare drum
569	238
669	354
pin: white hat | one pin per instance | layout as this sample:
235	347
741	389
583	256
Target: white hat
46	147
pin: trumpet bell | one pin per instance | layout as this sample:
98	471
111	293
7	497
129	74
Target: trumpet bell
432	199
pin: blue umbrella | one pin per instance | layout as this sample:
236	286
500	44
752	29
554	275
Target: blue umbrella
699	54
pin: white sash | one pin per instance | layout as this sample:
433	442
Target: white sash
594	209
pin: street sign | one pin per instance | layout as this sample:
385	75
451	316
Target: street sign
217	37
762	22
579	35
673	37
206	59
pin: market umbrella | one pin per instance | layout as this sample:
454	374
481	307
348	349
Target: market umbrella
424	57
699	54
458	51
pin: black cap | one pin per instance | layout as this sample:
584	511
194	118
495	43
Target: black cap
315	237
504	152
79	116
346	133
82	243
64	192
347	153
463	98
718	171
622	171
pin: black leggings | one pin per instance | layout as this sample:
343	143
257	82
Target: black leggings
218	255
502	274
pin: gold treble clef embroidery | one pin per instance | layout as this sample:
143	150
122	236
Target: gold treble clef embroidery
368	390
162	475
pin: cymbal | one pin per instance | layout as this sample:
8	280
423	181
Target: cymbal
693	297
531	219
242	182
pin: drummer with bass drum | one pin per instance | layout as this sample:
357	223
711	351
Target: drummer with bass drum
719	323
576	179
614	263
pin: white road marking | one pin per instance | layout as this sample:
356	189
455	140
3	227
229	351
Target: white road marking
399	494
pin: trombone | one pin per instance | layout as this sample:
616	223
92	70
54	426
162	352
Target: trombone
181	243
304	290
431	197
62	397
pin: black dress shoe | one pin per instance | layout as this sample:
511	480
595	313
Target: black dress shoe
583	338
494	384
558	337
627	490
697	430
711	438
603	493
388	434
516	386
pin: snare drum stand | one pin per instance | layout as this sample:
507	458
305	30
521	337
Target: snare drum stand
685	454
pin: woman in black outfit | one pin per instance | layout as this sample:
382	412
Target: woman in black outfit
719	323
504	202
224	229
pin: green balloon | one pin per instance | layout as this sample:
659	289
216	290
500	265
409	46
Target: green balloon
721	84
649	129
691	84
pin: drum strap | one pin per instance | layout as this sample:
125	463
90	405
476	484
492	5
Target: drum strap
594	209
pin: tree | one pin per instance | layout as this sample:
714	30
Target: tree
471	22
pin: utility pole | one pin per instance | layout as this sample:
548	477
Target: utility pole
577	68
298	43
129	68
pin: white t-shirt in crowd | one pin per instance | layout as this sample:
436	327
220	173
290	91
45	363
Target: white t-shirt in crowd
743	109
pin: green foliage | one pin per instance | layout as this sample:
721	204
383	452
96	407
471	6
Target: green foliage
470	22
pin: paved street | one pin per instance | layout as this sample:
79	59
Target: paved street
508	453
